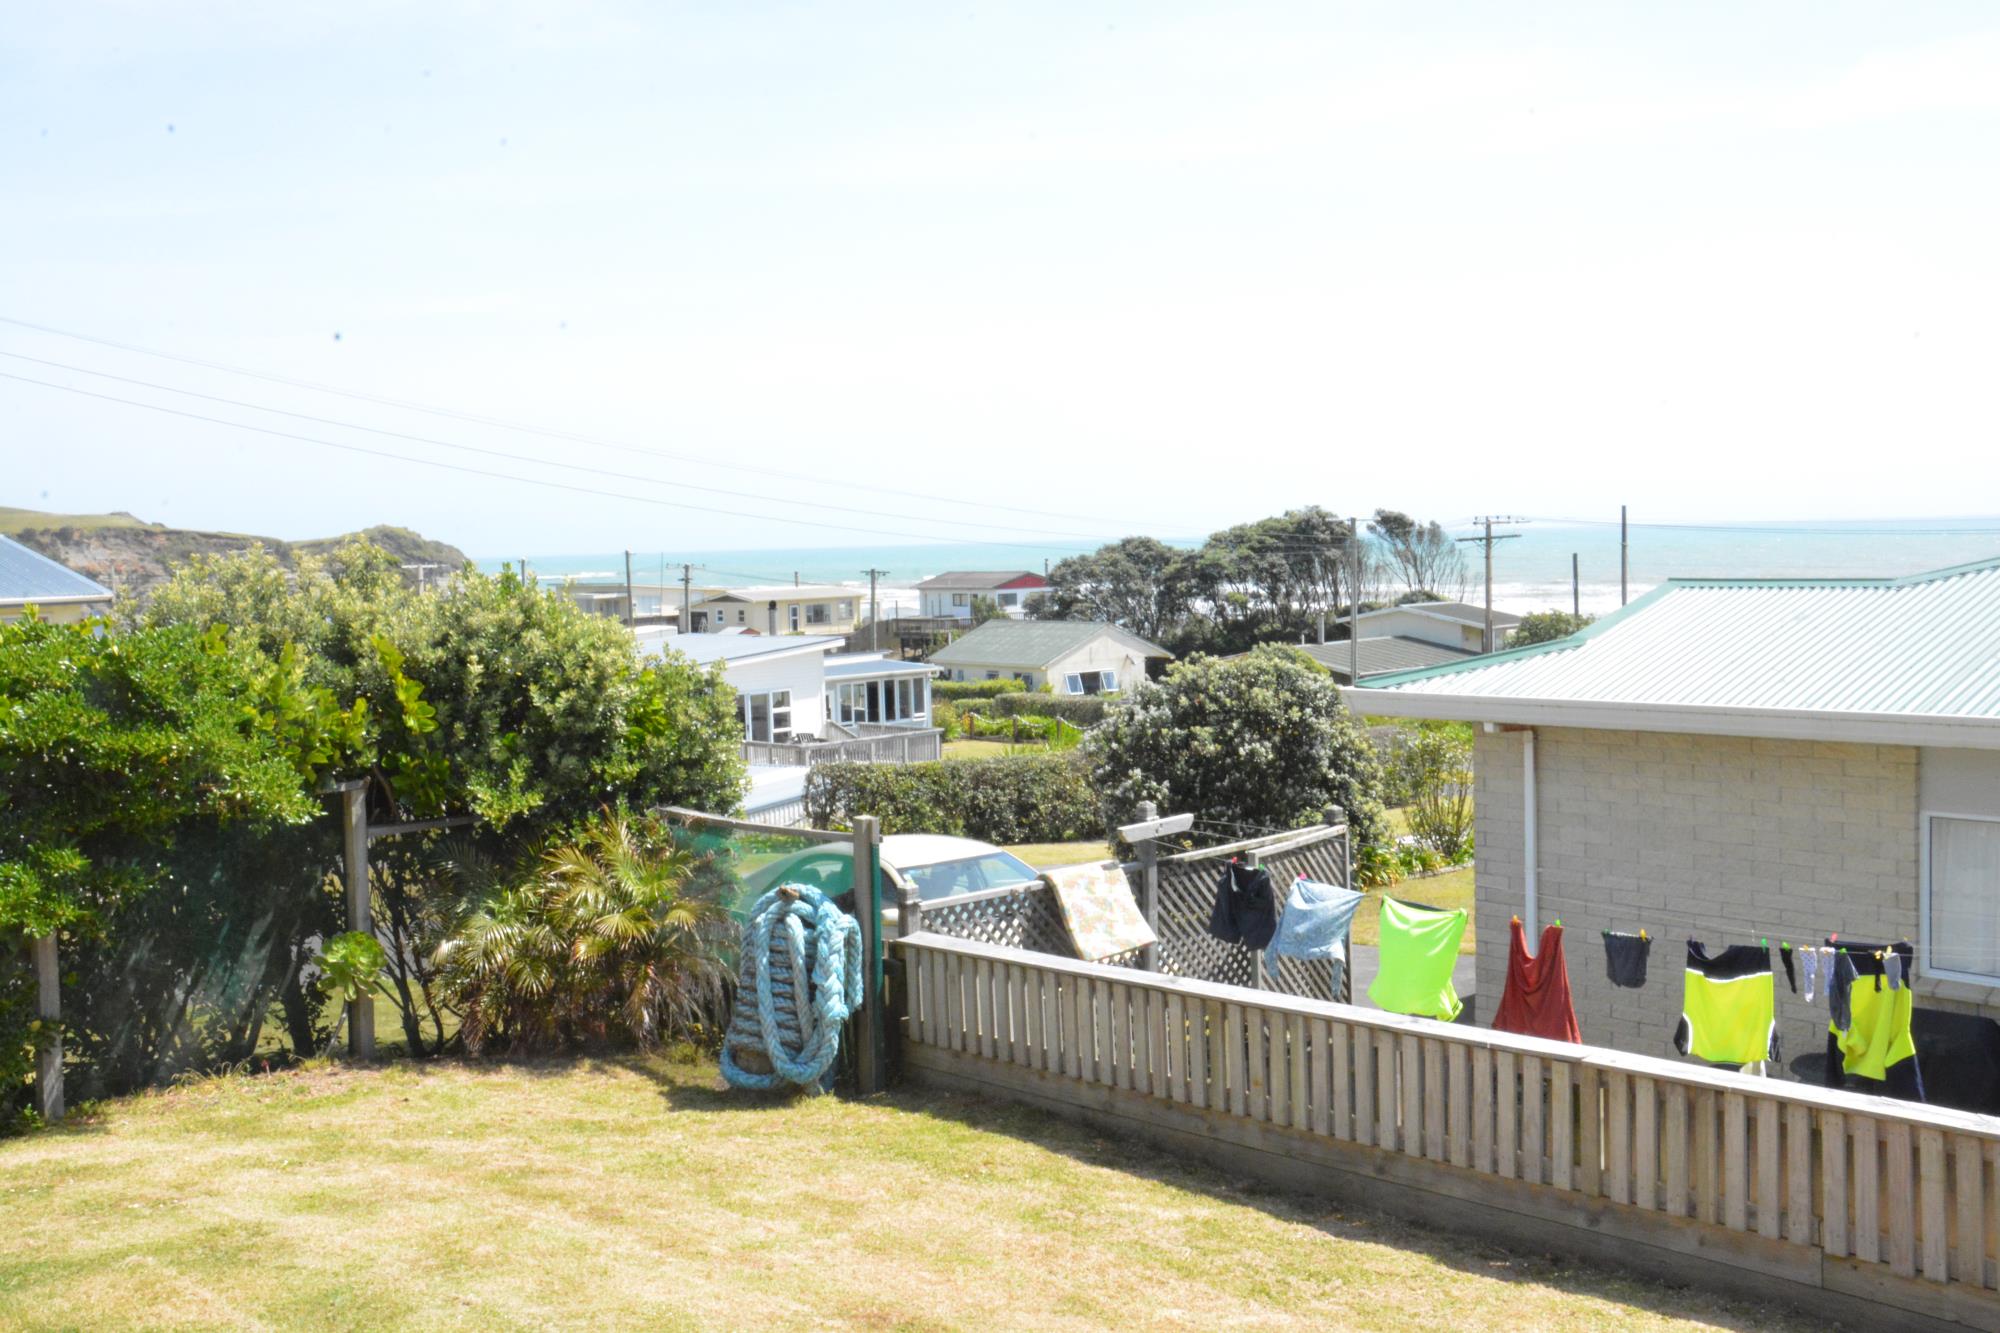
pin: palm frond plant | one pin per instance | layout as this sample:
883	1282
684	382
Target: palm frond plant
603	939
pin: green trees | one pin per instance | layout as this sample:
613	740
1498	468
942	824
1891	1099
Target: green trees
1545	626
1436	770
1262	740
157	787
119	757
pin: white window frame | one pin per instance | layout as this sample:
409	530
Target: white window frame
1073	682
1107	681
795	617
1924	819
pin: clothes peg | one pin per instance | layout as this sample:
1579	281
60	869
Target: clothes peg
1642	933
1517	918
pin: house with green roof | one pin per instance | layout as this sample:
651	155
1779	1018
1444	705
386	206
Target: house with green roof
1070	656
1745	760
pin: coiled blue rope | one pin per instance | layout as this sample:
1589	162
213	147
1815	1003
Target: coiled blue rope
795	932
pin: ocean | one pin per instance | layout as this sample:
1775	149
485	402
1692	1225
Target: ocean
1531	569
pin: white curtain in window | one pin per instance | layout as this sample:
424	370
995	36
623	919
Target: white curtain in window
1965	896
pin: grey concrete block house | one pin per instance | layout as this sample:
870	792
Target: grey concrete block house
1736	761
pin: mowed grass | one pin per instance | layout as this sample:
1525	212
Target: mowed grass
974	748
1043	855
1449	890
641	1193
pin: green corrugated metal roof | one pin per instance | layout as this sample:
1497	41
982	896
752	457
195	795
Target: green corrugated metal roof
1921	645
1033	643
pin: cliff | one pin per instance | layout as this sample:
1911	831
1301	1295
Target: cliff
129	555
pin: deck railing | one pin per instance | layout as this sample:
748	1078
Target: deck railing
913	745
1890	1189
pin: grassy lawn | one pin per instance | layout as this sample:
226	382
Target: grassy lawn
1449	890
639	1193
980	749
1042	855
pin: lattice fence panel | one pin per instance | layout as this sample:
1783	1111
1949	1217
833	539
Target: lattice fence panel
1027	917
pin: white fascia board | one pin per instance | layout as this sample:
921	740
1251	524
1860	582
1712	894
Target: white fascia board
1966	733
67	599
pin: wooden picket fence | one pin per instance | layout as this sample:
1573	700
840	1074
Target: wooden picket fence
1901	1201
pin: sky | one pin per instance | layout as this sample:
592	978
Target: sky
761	275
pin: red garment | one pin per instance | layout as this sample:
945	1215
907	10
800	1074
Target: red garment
1536	1002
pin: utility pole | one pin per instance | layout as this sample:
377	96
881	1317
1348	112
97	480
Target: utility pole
874	611
1354	604
1624	556
1575	588
1488	538
687	599
631	608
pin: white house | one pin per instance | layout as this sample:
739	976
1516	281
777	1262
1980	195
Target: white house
1072	656
58	593
1738	761
781	608
950	596
799	701
1448	624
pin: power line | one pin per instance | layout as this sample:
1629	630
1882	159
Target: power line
1768	530
531	458
483	472
411	405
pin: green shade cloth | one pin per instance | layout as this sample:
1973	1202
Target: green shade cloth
1418	949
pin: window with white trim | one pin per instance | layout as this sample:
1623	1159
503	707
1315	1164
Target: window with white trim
1091	682
765	717
1961	925
795	617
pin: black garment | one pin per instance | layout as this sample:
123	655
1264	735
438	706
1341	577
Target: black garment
1791	973
1625	958
1246	906
1855	965
1902	1080
1838	983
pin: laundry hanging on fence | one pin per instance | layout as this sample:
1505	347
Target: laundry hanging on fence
1314	926
1246	905
1840	977
1875	1043
1625	958
1809	975
1536	1000
1729	1008
1097	906
1418	949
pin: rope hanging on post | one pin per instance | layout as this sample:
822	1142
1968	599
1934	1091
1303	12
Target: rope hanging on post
799	981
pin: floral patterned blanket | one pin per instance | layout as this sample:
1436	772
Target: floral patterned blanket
1098	907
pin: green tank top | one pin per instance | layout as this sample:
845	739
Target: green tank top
1418	949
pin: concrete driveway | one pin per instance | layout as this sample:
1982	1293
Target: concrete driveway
1365	960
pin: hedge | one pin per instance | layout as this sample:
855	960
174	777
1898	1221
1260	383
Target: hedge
958	690
1020	798
1085	710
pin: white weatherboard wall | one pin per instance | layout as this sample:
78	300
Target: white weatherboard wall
801	673
1105	654
1726	839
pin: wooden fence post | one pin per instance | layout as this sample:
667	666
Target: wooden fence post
360	916
48	1008
868	1055
1149	887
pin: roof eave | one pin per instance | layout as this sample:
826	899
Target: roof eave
1924	729
67	599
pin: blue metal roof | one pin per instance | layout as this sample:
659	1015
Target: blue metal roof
30	576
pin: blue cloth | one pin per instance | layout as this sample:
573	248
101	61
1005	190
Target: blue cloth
1314	925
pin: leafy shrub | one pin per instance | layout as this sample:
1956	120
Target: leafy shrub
1084	710
1544	626
960	690
945	717
599	940
1019	798
1438	766
1259	740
